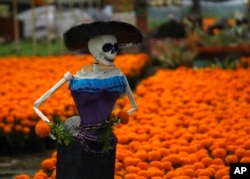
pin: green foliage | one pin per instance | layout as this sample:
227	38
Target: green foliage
108	131
228	62
58	130
26	48
222	38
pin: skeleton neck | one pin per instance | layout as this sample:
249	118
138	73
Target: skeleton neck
99	67
97	70
95	67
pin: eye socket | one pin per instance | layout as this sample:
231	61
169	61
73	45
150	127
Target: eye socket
108	47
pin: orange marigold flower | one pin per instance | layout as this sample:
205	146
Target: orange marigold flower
247	145
123	116
220	173
154	171
42	129
203	177
206	161
7	129
118	177
132	169
171	174
141	154
219	153
26	130
48	164
166	165
129	161
218	161
156	164
40	175
142	165
18	128
54	154
240	152
245	160
203	172
198	165
130	176
22	176
143	173
189	172
154	155
231	159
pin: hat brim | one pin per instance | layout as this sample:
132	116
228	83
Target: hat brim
77	37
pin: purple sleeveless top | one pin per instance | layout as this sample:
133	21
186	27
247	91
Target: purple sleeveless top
95	99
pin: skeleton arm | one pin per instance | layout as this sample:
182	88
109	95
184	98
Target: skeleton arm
131	98
67	77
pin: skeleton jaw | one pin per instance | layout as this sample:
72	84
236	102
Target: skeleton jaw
111	60
106	60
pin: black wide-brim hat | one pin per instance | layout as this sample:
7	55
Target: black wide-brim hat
77	37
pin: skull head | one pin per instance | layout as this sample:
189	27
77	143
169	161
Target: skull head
104	48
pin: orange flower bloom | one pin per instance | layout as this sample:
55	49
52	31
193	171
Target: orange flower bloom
22	176
141	154
154	171
26	130
189	172
203	172
219	153
54	154
7	129
247	145
207	161
40	175
123	116
220	173
240	152
48	164
18	128
132	169
143	174
130	176
154	155
129	161
231	159
142	165
245	160
42	129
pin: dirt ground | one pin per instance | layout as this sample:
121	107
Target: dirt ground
10	166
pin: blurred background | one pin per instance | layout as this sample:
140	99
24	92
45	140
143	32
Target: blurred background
39	24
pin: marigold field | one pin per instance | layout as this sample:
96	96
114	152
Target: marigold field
190	123
25	79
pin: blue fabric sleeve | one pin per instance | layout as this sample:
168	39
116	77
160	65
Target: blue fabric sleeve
111	84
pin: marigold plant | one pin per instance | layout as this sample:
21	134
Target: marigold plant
189	124
42	129
123	116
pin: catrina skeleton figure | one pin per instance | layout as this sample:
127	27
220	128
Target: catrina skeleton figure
95	89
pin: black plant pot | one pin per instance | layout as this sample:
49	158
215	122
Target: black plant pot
74	162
